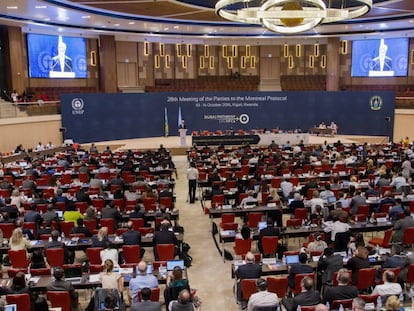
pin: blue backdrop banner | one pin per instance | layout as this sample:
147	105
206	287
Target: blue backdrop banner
102	117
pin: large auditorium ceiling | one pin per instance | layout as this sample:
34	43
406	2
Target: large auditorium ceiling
189	20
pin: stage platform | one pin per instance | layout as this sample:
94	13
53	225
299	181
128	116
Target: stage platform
173	142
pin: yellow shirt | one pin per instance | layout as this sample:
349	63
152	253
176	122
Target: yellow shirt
72	216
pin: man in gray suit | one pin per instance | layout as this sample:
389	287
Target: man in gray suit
400	227
146	304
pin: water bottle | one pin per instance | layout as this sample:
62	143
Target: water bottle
377	249
298	308
379	303
401	297
149	268
62	235
328	306
284	259
341	307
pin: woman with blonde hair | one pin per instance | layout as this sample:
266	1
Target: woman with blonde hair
111	279
17	200
393	304
100	239
18	241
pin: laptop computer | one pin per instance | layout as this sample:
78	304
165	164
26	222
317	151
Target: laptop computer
12	307
73	274
292	259
171	264
261	225
331	199
59	214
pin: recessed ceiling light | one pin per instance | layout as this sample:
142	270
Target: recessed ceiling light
12	7
60	29
166	28
46	19
176	27
86	16
116	25
40	7
131	23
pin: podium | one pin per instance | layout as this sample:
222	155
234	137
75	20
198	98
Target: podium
183	136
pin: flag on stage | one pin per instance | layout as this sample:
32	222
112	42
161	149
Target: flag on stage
179	116
166	122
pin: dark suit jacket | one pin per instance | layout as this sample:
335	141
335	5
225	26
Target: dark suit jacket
297	269
309	298
268	231
131	237
61	285
339	292
56	64
165	237
146	306
329	265
83	230
249	271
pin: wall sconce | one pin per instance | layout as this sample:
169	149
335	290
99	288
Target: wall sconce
230	62
184	61
206	50
344	47
224	50
311	61
162	49
146	48
211	62
252	62
234	50
298	50
201	65
167	60
178	49
248	50
243	62
285	50
93	58
323	61
157	61
316	49
291	64
412	57
189	50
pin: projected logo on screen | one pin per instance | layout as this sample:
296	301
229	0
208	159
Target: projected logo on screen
244	118
77	106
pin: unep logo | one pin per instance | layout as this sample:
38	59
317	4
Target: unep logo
244	118
77	106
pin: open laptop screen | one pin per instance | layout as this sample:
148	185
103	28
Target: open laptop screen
171	264
261	225
292	259
10	307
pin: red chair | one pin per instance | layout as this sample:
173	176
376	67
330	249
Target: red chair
110	223
119	203
149	203
40	271
217	200
145	230
293	222
94	257
90	224
410	274
32	226
19	259
278	285
408	237
66	227
301	213
155	294
253	219
229	226
382	242
22	301
248	287
59	299
366	278
55	257
241	247
165	251
5	193
83	178
131	254
41	208
227	218
166	201
369	298
363	209
156	264
138	222
7	229
395	270
269	245
346	303
298	279
82	207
